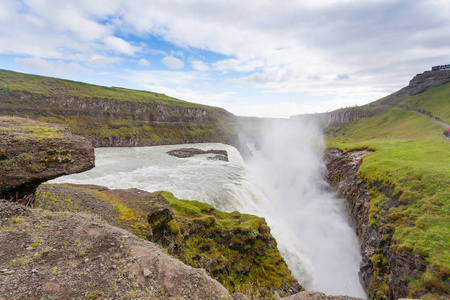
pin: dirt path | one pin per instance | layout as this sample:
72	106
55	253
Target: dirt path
443	124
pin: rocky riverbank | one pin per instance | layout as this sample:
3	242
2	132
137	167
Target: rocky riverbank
235	249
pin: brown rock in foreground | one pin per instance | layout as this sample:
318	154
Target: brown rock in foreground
78	256
235	249
33	152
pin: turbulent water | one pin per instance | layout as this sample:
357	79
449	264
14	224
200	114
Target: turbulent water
281	182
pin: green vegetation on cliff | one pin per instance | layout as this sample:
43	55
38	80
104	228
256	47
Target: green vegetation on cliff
236	249
410	159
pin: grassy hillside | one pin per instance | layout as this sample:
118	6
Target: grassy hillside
49	86
411	157
111	116
436	101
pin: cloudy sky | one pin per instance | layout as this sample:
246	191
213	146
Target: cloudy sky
252	57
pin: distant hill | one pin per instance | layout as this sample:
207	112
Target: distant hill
429	91
112	116
400	195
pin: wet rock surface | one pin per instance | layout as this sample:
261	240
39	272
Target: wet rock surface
32	152
190	152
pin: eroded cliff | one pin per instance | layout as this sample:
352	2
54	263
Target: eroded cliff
387	270
32	152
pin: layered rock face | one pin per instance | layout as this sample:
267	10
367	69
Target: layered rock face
384	274
348	115
66	105
109	122
32	152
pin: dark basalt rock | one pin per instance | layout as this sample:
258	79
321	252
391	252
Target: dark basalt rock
189	152
33	152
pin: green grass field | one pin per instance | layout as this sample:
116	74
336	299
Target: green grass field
49	86
411	155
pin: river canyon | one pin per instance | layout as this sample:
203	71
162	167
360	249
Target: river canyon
281	181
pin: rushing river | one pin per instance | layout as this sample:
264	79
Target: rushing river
282	182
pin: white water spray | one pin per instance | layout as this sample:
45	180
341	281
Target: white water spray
289	168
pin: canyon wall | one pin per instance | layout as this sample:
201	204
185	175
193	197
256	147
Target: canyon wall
385	270
109	122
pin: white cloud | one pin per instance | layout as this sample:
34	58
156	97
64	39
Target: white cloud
98	61
173	62
199	65
119	45
143	62
8	9
318	47
152	79
53	67
238	65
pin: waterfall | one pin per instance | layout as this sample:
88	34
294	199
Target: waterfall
288	168
282	182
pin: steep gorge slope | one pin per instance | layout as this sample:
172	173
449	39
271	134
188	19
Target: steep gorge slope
398	192
111	116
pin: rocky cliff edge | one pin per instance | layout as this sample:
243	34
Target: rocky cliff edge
32	152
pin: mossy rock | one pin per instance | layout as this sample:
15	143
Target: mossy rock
236	249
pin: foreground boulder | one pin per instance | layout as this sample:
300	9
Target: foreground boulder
63	255
235	249
32	152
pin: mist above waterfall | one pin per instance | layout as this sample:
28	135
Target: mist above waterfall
287	164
